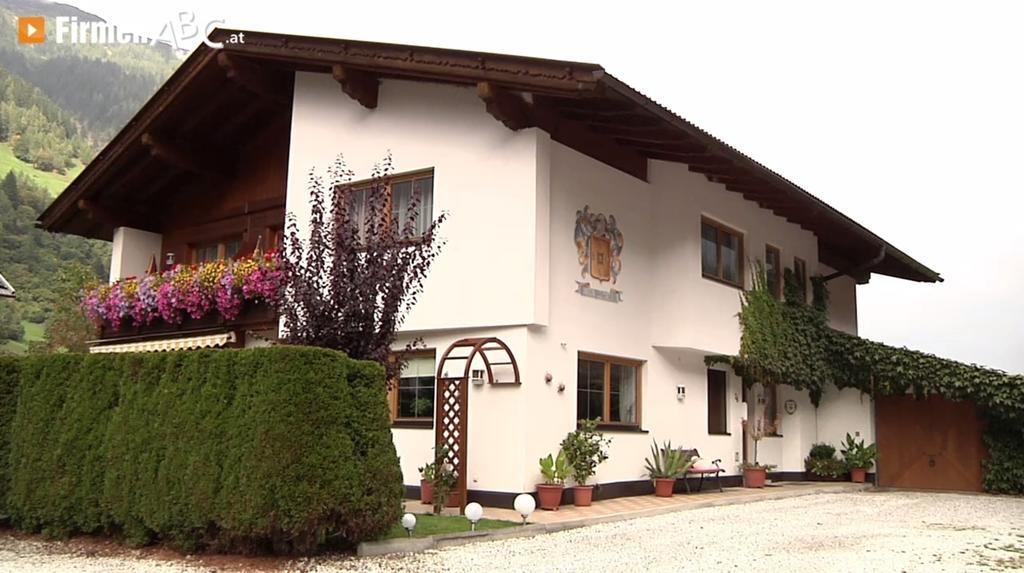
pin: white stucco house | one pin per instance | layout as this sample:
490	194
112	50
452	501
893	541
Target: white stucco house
601	238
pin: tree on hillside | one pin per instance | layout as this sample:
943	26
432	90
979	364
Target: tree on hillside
10	321
31	257
353	278
68	329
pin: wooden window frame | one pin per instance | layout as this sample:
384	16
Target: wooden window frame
424	422
779	275
387	187
725	403
723	228
800	277
608	360
194	248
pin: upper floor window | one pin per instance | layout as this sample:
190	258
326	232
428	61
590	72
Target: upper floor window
721	253
800	276
412	398
773	270
225	249
608	389
398	195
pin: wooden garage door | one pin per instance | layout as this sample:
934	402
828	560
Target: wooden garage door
931	443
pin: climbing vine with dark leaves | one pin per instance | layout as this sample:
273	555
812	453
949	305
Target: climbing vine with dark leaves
790	342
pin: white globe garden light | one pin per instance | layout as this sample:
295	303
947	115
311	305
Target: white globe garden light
524	504
409	522
474	511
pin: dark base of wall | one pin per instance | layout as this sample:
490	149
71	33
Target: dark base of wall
626	488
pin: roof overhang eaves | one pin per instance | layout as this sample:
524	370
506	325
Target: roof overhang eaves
790	189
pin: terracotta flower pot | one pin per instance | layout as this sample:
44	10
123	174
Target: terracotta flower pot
426	491
663	486
858	475
549	496
454	499
583	495
754	477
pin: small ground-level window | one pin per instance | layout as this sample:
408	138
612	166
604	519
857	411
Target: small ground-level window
608	389
412	398
772	421
718	404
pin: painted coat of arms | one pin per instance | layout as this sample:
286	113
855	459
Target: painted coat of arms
599	250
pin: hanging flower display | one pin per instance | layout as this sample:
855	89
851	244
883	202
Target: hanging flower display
186	290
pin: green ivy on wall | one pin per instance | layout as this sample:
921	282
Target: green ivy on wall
790	342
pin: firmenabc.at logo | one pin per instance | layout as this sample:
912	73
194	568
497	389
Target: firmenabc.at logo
31	29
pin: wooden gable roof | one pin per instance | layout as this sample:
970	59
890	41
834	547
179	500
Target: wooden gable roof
215	96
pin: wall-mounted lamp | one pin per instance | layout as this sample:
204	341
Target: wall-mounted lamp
680	392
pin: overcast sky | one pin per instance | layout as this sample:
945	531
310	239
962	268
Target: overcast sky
908	117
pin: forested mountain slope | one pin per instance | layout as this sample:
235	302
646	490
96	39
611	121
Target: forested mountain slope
59	104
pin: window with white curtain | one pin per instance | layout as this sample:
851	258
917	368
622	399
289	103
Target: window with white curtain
608	389
398	192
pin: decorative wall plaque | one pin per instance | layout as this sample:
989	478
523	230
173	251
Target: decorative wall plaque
790	406
599	250
598	245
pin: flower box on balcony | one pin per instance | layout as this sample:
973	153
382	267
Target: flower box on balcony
240	292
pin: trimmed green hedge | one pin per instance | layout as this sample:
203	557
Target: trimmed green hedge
281	449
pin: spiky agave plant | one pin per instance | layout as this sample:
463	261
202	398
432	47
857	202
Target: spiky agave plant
666	461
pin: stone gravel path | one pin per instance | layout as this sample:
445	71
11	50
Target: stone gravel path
869	531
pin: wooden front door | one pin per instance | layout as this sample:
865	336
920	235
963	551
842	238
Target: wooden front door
932	443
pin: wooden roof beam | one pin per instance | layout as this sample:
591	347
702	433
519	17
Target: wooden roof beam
508	108
186	159
663	146
118	215
251	77
581	137
359	85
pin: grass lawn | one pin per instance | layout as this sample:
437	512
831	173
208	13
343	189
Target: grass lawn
54	182
13	347
33	331
428	524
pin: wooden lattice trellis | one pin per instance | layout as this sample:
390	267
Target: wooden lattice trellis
452	401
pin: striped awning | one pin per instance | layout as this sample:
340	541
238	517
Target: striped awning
166	344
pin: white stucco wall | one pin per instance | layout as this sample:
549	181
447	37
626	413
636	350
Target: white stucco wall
509	269
485	178
497	416
842	296
131	252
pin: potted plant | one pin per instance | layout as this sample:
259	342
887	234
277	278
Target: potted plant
426	482
584	449
754	473
823	465
664	466
858	457
554	469
440	482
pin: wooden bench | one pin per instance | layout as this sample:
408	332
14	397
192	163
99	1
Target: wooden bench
702	472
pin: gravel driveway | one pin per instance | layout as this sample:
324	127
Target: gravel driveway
870	531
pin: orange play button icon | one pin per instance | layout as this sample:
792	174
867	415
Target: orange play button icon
31	29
